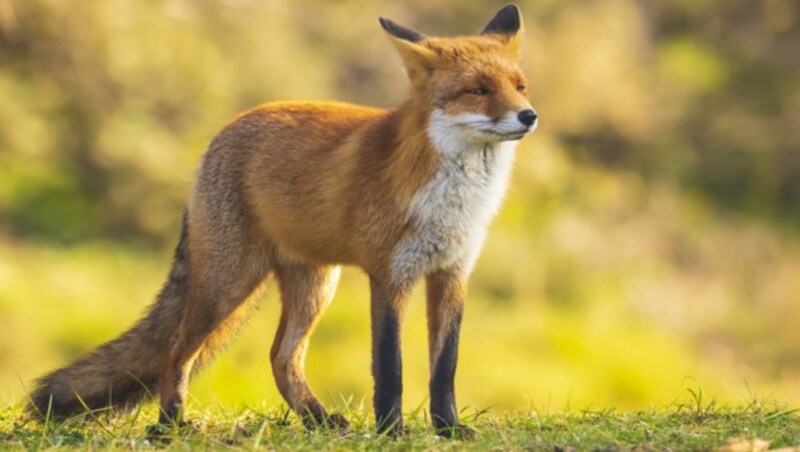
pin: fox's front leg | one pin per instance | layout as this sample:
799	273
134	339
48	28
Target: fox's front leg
387	307
446	292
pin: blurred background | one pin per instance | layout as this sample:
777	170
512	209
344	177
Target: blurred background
650	242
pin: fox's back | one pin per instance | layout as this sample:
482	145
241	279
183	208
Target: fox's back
294	129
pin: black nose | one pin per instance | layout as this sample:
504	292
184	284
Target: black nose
527	117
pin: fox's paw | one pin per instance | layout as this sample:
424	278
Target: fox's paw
160	432
458	431
333	421
165	432
394	430
337	421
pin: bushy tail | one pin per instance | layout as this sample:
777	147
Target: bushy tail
126	370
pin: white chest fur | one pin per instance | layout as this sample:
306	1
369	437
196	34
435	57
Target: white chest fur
453	210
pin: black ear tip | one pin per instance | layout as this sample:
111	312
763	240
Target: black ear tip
510	13
399	31
507	20
510	8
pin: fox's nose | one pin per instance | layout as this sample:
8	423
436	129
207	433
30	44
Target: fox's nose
527	117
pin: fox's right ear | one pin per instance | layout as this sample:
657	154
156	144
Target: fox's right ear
506	26
418	59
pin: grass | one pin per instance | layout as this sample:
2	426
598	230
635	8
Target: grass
692	426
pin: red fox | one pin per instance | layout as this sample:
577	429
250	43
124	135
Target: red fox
296	189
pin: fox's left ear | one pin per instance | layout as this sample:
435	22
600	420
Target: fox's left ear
506	27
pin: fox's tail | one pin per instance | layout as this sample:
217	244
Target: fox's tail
126	370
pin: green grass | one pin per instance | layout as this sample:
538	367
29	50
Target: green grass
694	426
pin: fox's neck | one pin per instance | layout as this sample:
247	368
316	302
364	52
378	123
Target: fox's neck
413	158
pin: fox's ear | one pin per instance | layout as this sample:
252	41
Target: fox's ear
418	59
401	32
506	27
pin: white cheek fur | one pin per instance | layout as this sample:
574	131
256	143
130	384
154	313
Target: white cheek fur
453	210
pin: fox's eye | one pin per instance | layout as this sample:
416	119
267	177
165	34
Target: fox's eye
521	88
480	91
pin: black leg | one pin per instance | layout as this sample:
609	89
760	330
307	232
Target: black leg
387	366
443	400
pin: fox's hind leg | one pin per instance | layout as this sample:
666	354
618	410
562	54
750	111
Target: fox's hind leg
305	294
222	279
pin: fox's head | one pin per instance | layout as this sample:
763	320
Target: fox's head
472	85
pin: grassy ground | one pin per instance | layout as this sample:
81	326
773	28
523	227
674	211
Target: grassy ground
682	427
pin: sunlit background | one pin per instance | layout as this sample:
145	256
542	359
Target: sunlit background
650	242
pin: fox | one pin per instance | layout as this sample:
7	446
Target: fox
295	190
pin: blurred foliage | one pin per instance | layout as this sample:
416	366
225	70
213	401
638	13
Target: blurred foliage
107	104
650	233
